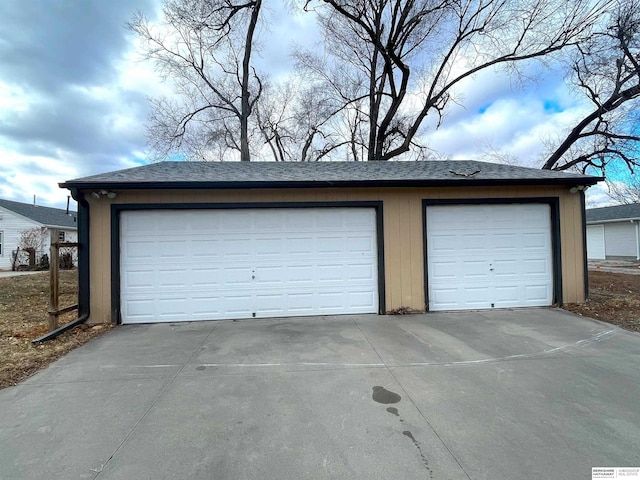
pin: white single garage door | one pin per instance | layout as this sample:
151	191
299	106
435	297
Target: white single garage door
489	256
595	242
183	265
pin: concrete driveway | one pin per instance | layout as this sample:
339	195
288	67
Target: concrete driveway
9	273
521	394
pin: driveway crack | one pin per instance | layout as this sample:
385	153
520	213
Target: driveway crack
153	404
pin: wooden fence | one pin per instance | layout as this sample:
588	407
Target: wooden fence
54	278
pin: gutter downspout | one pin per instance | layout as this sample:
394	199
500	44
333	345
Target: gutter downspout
83	270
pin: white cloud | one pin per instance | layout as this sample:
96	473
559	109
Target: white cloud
517	126
598	196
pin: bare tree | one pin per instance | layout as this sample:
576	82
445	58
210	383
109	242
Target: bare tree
625	192
31	242
32	239
293	119
607	70
204	47
406	58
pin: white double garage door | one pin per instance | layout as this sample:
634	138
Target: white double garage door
208	264
182	265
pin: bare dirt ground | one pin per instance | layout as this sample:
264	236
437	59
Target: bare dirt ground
613	298
23	317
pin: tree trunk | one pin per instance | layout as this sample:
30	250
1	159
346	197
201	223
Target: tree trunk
245	111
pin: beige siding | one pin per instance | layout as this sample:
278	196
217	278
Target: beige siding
403	232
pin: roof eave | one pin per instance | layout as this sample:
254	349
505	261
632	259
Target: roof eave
60	227
614	220
585	181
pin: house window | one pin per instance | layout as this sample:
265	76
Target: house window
1	243
61	236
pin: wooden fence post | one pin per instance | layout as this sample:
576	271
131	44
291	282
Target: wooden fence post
54	266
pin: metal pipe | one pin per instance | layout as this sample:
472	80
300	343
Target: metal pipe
62	329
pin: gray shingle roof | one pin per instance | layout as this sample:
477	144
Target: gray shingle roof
303	174
50	217
613	213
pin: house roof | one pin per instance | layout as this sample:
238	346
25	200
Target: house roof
618	212
325	174
50	217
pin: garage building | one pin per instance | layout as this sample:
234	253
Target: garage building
183	241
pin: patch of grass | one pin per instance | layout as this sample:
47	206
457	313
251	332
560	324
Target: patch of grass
23	317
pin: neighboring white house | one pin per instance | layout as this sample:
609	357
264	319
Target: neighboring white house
614	232
16	218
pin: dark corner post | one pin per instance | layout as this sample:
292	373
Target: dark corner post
585	261
83	253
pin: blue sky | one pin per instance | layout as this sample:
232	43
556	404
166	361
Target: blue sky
73	97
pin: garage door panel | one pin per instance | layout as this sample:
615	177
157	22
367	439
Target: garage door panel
443	269
204	249
172	307
268	247
245	263
139	310
174	277
535	240
330	219
139	250
301	303
173	225
204	307
536	266
471	243
237	276
365	300
298	245
298	220
330	244
269	276
474	269
274	222
301	274
360	244
236	247
506	268
484	256
332	301
273	304
537	293
327	274
506	295
504	242
446	244
239	305
361	272
136	279
205	277
231	220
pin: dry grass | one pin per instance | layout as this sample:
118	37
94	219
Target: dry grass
613	298
23	317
